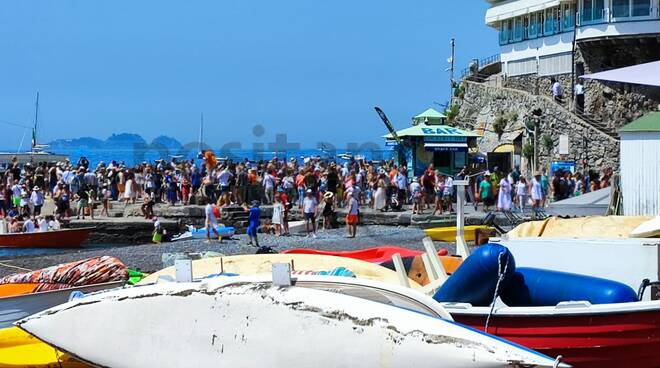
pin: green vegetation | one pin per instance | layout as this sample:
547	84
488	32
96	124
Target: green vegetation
547	142
528	150
452	113
459	91
499	125
511	117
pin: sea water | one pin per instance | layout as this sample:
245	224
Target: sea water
133	157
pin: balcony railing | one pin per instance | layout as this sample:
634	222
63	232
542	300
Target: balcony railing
482	63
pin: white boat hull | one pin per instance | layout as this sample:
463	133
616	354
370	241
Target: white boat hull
16	307
230	322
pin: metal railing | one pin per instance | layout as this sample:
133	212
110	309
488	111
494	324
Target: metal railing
482	63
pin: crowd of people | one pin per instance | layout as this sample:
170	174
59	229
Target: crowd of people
317	187
513	191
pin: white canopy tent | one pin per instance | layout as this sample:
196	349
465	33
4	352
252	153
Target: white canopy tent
647	74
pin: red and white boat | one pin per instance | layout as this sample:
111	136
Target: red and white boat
65	238
599	335
587	336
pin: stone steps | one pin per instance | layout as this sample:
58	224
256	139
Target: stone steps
598	125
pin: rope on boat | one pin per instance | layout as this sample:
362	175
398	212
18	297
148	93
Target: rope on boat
500	278
15	267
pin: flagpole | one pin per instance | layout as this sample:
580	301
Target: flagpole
36	121
451	72
201	133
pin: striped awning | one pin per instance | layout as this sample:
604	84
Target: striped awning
514	9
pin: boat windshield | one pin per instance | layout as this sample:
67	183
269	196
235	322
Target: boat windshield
372	294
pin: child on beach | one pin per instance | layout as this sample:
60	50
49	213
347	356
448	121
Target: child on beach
328	210
310	209
353	214
278	211
211	222
417	196
448	194
83	199
105	200
254	220
521	193
439	195
157	235
287	205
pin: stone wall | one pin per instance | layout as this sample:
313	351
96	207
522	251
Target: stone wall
482	104
617	104
613	104
537	85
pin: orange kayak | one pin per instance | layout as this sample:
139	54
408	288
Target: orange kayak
17	289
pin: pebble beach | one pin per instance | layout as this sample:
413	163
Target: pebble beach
148	257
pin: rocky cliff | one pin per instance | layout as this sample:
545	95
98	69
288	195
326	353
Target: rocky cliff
591	148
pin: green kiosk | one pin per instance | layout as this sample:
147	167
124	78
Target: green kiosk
430	141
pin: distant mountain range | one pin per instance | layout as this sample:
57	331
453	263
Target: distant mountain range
115	141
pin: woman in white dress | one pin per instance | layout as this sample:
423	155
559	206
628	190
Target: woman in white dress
276	220
504	197
128	190
380	197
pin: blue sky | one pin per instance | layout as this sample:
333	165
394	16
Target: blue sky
311	69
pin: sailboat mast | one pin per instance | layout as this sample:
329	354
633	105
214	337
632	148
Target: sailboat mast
201	133
36	121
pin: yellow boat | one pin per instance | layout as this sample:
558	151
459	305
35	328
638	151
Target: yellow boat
253	264
448	234
20	349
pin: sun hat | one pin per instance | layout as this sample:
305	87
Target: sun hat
309	191
328	195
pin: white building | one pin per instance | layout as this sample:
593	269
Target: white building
538	36
640	166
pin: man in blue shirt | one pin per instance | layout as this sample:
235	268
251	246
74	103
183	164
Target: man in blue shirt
401	181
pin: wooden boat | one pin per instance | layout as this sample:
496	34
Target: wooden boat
448	234
19	349
16	307
65	238
587	336
248	321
